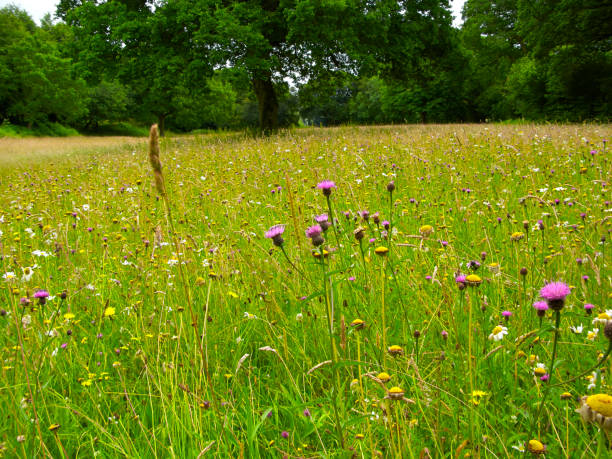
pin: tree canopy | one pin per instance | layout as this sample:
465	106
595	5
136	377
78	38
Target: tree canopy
194	64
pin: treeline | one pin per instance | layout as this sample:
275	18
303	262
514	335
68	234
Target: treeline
211	64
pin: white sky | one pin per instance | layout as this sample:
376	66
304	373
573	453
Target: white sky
38	8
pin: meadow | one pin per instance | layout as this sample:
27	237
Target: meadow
450	300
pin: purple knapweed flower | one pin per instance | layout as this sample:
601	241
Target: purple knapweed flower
323	221
326	186
554	293
42	296
541	307
314	233
276	234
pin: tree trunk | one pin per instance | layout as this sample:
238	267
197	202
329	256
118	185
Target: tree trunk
161	124
267	103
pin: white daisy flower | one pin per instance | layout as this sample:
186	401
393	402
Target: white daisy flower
498	333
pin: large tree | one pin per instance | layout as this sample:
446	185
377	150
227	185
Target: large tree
271	40
147	49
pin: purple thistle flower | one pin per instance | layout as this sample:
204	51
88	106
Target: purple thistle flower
314	233
541	307
461	279
307	412
588	307
323	221
285	434
554	293
506	313
275	233
41	294
545	377
326	186
385	224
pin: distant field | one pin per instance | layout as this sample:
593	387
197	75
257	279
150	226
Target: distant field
184	332
32	149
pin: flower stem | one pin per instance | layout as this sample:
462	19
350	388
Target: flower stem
551	369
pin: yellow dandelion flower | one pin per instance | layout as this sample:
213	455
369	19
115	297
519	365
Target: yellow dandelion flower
597	408
473	279
54	427
536	447
395	350
109	312
384	377
426	230
381	251
395	393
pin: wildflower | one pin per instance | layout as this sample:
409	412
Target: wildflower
426	230
381	251
27	272
42	296
477	396
276	234
541	307
444	334
540	369
592	335
314	233
306	412
506	314
588	308
597	408
357	324
516	236
326	186
498	333
473	264
577	329
473	280
69	316
554	293
608	330
391	186
603	317
536	447
109	312
383	377
284	433
395	393
359	233
566	396
54	427
395	350
323	221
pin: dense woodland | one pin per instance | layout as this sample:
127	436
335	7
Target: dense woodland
214	64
